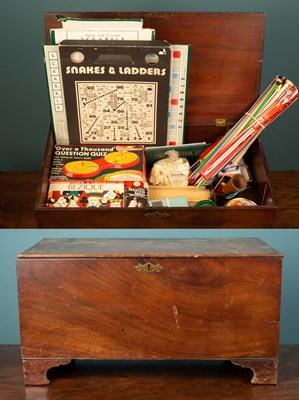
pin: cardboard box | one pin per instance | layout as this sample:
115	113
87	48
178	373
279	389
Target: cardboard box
192	195
85	194
98	162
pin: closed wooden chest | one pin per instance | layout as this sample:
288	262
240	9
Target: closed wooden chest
145	299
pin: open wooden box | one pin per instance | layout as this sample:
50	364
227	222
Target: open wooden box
224	80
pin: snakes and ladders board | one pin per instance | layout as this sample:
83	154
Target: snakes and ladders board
180	54
109	92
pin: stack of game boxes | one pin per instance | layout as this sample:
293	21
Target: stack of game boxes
114	90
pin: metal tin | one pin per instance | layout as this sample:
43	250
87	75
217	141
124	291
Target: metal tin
240	202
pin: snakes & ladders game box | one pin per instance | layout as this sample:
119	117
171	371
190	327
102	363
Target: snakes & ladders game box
109	91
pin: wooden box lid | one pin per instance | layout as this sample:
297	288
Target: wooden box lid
164	248
225	58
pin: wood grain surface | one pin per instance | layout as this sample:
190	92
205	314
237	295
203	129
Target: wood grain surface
64	248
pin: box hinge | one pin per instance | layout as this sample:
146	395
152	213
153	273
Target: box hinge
220	122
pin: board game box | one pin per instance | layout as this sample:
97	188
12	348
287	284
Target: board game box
100	29
85	194
109	91
93	194
177	201
136	194
98	162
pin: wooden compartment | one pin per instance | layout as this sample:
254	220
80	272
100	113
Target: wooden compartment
137	299
224	78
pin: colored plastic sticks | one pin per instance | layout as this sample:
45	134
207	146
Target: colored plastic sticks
278	96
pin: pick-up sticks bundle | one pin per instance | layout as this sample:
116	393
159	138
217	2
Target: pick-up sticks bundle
278	96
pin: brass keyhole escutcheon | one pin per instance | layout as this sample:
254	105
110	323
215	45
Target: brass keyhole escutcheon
149	267
157	215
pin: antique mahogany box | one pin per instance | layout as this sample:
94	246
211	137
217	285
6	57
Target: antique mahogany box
149	299
226	51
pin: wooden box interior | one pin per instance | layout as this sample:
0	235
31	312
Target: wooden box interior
224	81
